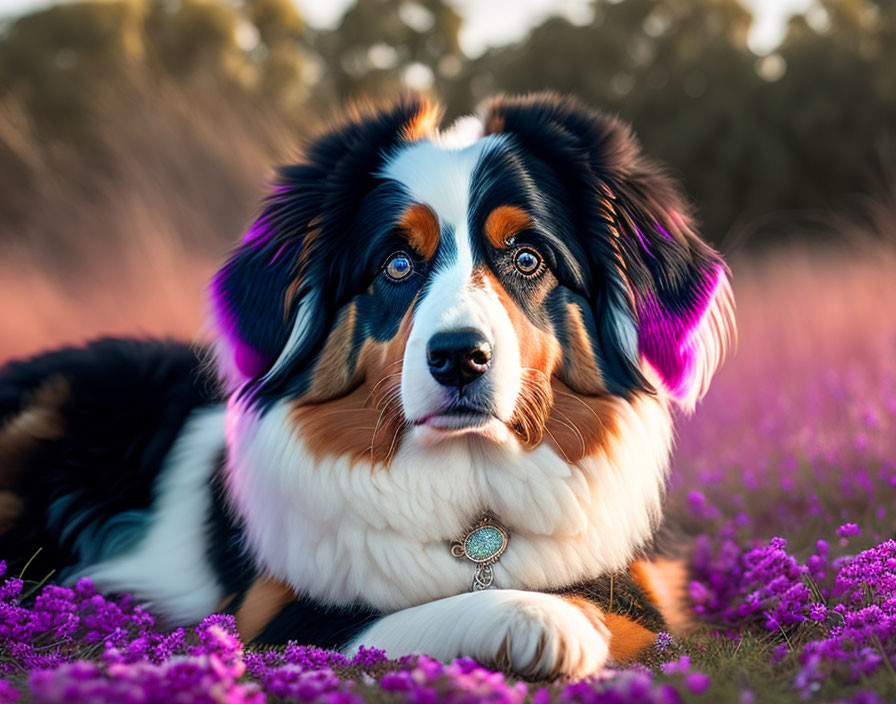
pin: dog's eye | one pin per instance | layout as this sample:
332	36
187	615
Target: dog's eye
398	266
527	261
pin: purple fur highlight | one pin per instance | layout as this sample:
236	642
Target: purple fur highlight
258	235
249	361
278	253
668	338
642	240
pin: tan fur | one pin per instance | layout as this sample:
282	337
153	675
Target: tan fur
665	582
493	122
580	370
363	419
421	227
264	600
533	408
505	222
424	123
308	244
628	638
579	426
331	374
354	425
39	421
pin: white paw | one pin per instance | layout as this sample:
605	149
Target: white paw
534	635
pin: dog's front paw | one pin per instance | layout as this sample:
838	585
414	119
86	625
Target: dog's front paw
534	635
539	636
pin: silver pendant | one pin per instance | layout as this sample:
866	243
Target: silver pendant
483	545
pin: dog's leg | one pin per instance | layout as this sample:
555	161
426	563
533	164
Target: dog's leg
532	634
665	582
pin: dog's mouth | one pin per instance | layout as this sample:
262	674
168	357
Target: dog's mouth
460	416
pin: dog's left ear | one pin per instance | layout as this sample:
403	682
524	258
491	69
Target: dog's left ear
278	292
666	303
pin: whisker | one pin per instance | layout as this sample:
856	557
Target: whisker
376	430
593	412
391	410
391	396
377	385
334	411
398	428
537	371
573	427
558	445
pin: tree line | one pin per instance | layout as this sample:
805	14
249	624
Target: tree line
755	138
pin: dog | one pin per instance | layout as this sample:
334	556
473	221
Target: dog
449	363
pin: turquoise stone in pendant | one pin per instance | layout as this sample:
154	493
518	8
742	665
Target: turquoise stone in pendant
484	544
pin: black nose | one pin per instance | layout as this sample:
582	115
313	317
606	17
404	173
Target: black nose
458	358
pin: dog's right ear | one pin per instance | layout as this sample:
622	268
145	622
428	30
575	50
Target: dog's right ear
665	303
263	298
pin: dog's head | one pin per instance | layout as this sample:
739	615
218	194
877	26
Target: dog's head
509	279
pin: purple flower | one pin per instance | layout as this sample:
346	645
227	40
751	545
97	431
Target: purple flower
542	696
8	693
681	666
201	680
817	612
848	530
663	641
697	682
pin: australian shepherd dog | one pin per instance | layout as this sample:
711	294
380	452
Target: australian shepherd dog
447	364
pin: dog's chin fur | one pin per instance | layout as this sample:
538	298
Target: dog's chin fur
344	533
492	430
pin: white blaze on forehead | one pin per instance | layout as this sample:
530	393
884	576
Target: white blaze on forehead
442	178
462	133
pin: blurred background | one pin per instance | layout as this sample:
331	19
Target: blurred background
137	137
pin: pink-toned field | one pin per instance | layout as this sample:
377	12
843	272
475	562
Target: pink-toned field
787	470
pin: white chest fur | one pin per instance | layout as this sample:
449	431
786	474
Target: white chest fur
345	534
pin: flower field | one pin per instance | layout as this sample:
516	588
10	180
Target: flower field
783	486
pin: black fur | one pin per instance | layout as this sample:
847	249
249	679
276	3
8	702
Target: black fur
226	552
306	621
88	493
635	226
328	226
619	594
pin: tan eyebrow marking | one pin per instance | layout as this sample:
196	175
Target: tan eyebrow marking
420	226
504	222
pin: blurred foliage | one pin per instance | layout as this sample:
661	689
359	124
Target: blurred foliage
753	136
